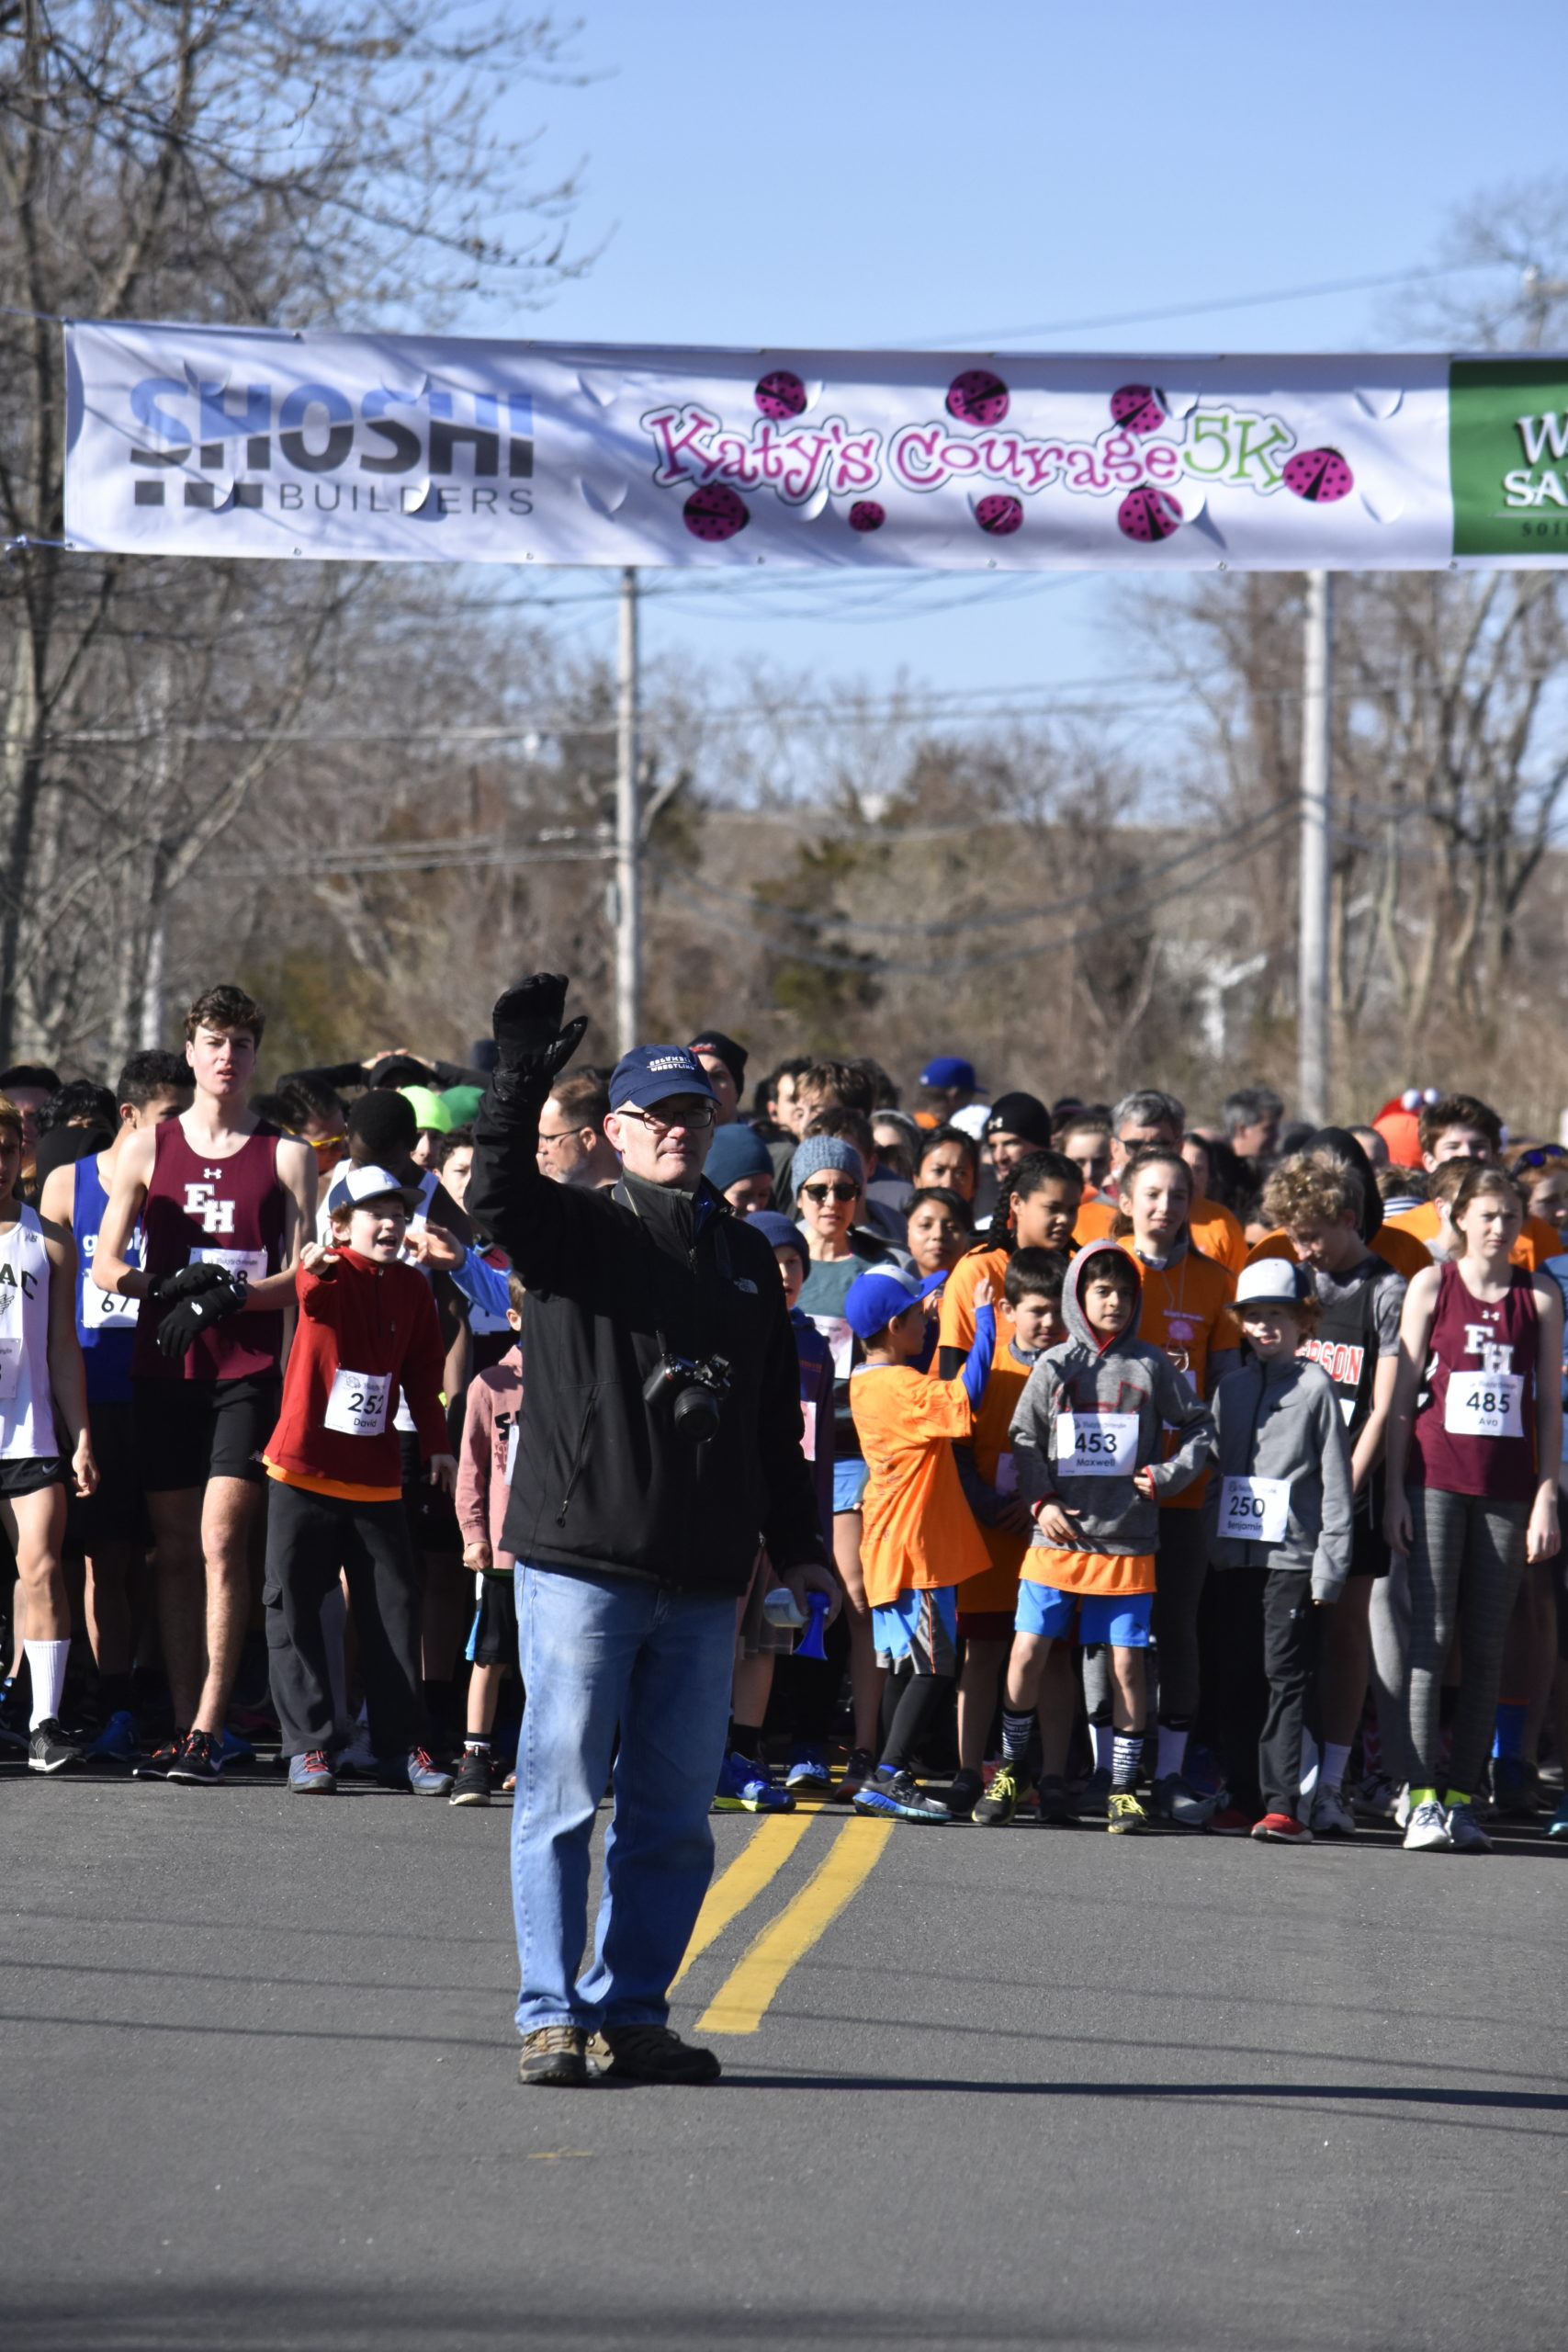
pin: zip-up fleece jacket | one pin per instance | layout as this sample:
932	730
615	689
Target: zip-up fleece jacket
603	1482
1088	1376
1283	1420
359	1316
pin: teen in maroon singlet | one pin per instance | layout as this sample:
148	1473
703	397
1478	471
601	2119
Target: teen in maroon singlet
1472	1485
217	1189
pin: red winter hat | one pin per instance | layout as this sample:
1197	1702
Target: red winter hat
1398	1123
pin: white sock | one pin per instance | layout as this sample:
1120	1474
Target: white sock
46	1664
1104	1747
1336	1764
1172	1750
1309	1767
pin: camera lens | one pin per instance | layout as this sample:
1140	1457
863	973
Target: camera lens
696	1415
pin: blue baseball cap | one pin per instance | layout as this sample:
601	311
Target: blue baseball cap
874	1299
650	1074
949	1069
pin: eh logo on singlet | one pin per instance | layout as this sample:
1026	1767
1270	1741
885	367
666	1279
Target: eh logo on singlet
1495	1356
217	1216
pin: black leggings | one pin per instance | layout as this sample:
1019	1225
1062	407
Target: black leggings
309	1538
1465	1565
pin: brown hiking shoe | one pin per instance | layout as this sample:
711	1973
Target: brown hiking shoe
554	2053
651	2053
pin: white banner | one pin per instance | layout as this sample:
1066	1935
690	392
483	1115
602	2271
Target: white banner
234	442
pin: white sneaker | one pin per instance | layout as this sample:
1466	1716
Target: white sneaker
1465	1833
1378	1796
1402	1807
356	1756
1331	1817
1428	1831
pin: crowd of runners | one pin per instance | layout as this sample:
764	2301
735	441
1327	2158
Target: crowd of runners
1181	1474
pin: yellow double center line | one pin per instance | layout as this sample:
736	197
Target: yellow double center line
741	2000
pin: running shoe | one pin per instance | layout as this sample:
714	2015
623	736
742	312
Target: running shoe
1124	1816
49	1750
418	1773
158	1766
1174	1798
745	1785
1428	1831
1514	1796
471	1785
857	1771
1230	1822
1401	1806
555	2055
1283	1829
1094	1797
117	1742
897	1797
1331	1817
200	1760
1558	1825
234	1752
1377	1795
965	1794
1465	1833
1203	1771
651	2053
357	1756
1010	1785
311	1775
809	1771
15	1730
1056	1808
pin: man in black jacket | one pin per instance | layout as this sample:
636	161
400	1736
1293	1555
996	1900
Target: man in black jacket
660	1445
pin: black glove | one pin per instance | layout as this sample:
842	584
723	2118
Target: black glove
189	1317
190	1282
529	1034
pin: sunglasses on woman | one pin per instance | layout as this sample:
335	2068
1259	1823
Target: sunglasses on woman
820	1193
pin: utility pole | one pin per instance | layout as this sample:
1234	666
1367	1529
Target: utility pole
628	887
1312	980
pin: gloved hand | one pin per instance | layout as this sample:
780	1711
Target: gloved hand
189	1317
190	1282
529	1034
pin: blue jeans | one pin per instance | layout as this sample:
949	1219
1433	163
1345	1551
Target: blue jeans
598	1652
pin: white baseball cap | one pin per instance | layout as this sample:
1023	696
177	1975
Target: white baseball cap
1273	1282
359	1184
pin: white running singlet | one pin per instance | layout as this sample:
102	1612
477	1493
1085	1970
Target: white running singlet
27	1406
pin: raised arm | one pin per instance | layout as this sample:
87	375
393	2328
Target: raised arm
534	1220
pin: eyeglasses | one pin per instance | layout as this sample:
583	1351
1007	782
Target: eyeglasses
702	1115
1539	1157
820	1193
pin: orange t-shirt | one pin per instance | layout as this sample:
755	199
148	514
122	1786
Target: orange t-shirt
955	1325
917	1530
1184	1313
1394	1246
992	1441
1214	1229
1091	1571
1537	1241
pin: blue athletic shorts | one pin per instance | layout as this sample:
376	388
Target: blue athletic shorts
922	1625
1119	1618
849	1481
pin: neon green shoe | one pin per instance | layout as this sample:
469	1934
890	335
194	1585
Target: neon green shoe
1126	1815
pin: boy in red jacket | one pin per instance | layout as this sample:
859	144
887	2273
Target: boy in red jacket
367	1325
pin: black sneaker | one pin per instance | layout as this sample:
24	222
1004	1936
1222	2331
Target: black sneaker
965	1794
201	1759
49	1750
1056	1808
651	2053
554	2055
158	1766
472	1783
856	1773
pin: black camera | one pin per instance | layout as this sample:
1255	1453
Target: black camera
694	1392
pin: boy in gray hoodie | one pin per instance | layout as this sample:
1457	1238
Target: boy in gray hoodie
1280	1501
1088	1437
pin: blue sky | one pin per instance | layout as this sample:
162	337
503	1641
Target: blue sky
896	172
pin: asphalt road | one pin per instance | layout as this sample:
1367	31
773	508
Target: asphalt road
1029	2087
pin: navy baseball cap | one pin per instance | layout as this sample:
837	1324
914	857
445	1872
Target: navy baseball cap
949	1069
650	1074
